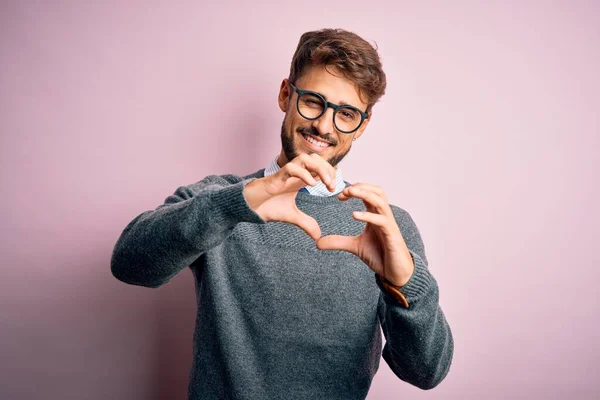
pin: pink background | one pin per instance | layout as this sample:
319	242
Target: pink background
488	135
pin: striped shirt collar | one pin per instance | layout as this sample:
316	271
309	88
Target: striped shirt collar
319	189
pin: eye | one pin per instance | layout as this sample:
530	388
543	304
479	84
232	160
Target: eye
348	114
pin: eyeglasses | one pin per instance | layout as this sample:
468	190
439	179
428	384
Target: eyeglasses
312	105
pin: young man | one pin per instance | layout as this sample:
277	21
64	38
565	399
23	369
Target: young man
296	268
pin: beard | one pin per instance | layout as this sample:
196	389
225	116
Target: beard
290	151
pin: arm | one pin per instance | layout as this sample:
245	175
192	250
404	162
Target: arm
159	243
419	344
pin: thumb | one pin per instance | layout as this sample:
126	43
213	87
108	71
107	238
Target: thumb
338	242
307	223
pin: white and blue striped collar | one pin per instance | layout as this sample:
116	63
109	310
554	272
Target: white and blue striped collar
319	189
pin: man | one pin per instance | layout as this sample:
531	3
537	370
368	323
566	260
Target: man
295	268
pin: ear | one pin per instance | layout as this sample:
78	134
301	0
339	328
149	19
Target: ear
284	95
362	128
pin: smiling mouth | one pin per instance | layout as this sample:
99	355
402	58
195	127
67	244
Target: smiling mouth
316	142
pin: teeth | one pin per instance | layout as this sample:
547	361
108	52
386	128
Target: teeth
316	142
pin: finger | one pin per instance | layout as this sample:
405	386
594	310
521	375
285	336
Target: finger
317	165
306	223
381	221
369	186
328	167
302	173
338	242
372	200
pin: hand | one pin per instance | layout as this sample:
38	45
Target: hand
273	197
381	245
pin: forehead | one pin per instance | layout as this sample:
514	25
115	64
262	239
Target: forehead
330	83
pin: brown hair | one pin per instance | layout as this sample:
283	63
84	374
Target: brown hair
355	58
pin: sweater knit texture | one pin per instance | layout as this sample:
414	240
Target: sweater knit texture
277	318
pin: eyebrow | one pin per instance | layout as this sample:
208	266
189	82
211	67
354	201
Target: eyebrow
341	103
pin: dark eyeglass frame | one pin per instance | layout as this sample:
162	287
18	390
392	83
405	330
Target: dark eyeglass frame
336	108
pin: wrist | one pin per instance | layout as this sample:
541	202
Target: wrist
401	278
255	193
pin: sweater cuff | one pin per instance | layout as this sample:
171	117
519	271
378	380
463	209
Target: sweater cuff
417	286
233	205
419	283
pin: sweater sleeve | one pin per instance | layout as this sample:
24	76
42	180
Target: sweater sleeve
419	344
159	243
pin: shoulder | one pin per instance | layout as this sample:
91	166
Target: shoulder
404	219
227	179
209	183
399	213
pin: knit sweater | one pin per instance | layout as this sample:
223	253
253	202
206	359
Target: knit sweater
277	318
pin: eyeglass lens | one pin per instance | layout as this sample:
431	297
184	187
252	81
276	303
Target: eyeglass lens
311	107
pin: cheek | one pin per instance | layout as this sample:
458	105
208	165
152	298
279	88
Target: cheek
343	145
294	122
291	121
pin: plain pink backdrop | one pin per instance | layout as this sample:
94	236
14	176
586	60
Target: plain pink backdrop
488	135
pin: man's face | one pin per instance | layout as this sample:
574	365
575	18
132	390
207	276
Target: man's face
295	129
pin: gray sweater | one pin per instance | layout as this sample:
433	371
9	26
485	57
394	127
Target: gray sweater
278	318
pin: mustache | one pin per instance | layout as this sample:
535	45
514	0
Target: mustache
312	131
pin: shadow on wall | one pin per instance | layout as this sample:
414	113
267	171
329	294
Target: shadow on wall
177	298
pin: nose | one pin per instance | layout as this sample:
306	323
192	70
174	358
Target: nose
324	124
